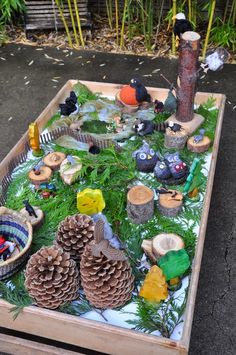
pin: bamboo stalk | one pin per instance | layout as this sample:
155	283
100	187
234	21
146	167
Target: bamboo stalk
73	22
225	11
123	25
190	10
108	13
213	5
79	23
64	23
117	21
173	35
159	22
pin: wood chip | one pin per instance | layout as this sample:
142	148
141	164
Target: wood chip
39	49
56	81
155	71
2	58
147	75
30	63
10	118
27	82
102	65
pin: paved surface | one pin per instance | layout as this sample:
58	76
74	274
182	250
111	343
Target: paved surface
26	87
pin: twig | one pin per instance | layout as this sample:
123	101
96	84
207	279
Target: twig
171	84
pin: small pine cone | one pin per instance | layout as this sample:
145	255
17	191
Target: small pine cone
74	233
51	277
106	283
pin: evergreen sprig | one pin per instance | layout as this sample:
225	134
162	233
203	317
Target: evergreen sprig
163	316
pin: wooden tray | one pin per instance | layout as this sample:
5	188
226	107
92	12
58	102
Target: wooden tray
92	334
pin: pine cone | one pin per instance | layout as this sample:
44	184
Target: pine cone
106	283
74	233
51	277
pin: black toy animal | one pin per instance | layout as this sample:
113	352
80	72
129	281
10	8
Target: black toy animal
70	105
29	208
181	24
140	91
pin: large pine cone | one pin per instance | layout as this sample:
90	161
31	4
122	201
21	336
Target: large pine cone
106	283
51	277
74	233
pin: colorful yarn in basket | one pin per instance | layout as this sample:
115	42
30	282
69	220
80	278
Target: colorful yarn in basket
15	228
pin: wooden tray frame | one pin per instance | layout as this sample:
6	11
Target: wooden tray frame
92	334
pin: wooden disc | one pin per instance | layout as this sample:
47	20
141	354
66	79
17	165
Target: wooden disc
199	147
32	219
44	176
140	195
54	160
165	200
165	242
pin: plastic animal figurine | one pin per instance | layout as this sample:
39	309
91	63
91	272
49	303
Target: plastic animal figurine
37	168
70	105
146	158
29	208
198	138
181	24
144	127
175	127
6	248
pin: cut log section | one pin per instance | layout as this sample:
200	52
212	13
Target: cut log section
147	248
170	204
126	108
35	221
140	204
165	242
54	160
70	172
44	175
199	147
175	139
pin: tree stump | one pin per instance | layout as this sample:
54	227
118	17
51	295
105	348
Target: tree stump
44	175
188	66
164	242
170	204
140	204
54	160
199	147
175	139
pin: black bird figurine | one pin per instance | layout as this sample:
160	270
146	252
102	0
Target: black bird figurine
181	24
140	91
29	208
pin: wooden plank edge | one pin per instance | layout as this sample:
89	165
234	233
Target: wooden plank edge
189	312
19	346
77	331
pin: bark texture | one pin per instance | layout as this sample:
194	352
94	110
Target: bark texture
188	66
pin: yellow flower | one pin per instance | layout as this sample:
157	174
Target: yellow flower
90	201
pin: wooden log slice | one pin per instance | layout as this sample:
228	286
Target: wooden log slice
140	204
175	139
45	174
170	205
36	222
69	173
199	147
54	160
164	242
147	248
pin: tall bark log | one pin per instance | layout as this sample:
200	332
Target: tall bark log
188	66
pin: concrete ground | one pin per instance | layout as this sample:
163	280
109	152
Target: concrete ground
29	79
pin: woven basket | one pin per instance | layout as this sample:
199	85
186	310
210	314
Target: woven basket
17	229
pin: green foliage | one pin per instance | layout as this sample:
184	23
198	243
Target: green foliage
95	126
224	34
9	8
163	316
14	292
76	308
3	35
83	93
